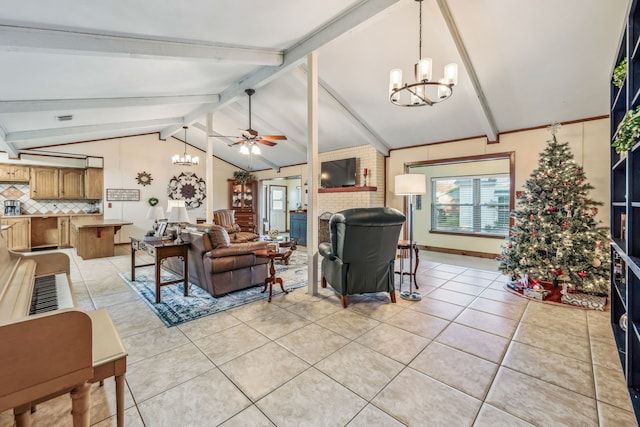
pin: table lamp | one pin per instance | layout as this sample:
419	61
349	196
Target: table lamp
155	213
410	185
178	215
172	203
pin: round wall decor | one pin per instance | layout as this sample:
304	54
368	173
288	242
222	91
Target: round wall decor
144	178
188	187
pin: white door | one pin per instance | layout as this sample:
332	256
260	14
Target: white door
278	208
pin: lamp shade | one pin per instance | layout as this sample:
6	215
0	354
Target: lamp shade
178	214
410	184
155	212
172	203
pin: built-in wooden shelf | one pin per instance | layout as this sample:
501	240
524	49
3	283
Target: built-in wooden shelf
346	189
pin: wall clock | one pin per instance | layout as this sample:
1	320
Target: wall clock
144	178
188	187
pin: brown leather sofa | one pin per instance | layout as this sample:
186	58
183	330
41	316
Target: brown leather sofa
216	264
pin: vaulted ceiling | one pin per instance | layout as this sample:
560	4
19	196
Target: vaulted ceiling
128	67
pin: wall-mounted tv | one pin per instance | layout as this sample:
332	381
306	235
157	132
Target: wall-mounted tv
338	173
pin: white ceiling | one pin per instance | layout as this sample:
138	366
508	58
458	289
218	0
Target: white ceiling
138	66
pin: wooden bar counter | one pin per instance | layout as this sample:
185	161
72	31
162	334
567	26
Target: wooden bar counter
94	238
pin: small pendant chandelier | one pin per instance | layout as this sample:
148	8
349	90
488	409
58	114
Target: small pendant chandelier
423	91
185	159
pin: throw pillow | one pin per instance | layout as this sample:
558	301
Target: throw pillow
218	236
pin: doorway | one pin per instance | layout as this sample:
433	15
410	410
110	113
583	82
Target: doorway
278	208
279	196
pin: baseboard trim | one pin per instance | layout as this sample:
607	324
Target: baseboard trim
459	252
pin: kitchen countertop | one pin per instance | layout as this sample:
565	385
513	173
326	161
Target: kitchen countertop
86	223
48	215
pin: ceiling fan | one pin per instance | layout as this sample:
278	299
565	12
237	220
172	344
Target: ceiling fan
251	137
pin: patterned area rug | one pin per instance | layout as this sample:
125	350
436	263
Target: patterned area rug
175	308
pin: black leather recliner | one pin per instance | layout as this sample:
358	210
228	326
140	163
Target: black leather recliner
360	256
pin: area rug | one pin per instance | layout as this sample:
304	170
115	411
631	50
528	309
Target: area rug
175	309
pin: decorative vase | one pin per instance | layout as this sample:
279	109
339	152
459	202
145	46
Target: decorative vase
273	234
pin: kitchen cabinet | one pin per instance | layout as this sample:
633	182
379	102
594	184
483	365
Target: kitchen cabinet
44	183
298	226
93	183
13	173
18	233
71	184
242	199
64	239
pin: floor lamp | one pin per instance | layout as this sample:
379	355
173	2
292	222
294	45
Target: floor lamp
410	185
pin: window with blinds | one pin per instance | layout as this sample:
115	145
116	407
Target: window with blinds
471	204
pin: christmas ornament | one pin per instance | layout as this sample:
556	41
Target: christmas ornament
582	274
531	217
552	209
596	262
564	224
523	261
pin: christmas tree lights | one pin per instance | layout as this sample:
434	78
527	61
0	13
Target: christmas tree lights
554	236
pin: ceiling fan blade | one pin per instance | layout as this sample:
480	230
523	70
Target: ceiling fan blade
237	142
266	142
274	137
224	136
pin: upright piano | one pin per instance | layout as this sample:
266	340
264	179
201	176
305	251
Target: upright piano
48	346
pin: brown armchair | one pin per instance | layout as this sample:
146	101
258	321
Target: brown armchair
226	219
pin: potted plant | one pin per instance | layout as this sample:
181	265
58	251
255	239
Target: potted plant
241	177
620	73
628	131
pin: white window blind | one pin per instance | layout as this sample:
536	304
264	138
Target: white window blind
471	204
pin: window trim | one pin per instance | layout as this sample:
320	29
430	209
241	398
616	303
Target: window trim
511	155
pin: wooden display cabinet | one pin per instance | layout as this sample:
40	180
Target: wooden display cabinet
243	200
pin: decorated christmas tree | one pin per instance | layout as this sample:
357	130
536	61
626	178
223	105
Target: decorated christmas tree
555	237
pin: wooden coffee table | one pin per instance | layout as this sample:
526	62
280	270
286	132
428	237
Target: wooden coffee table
283	254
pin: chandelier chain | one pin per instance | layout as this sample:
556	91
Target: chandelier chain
420	31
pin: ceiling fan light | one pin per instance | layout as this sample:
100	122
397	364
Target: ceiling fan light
255	149
175	159
424	70
244	149
451	73
195	160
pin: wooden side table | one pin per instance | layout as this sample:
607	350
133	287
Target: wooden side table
408	245
282	254
161	250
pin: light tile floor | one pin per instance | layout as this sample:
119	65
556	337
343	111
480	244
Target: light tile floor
468	354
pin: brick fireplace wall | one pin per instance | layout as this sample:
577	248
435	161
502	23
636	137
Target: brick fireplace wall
366	157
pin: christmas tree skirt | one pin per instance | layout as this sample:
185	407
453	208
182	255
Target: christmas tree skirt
553	294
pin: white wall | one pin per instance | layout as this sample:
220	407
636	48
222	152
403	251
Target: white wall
588	141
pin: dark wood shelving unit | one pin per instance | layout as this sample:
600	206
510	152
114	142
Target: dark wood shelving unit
625	216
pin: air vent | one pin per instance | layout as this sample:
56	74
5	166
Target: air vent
65	118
